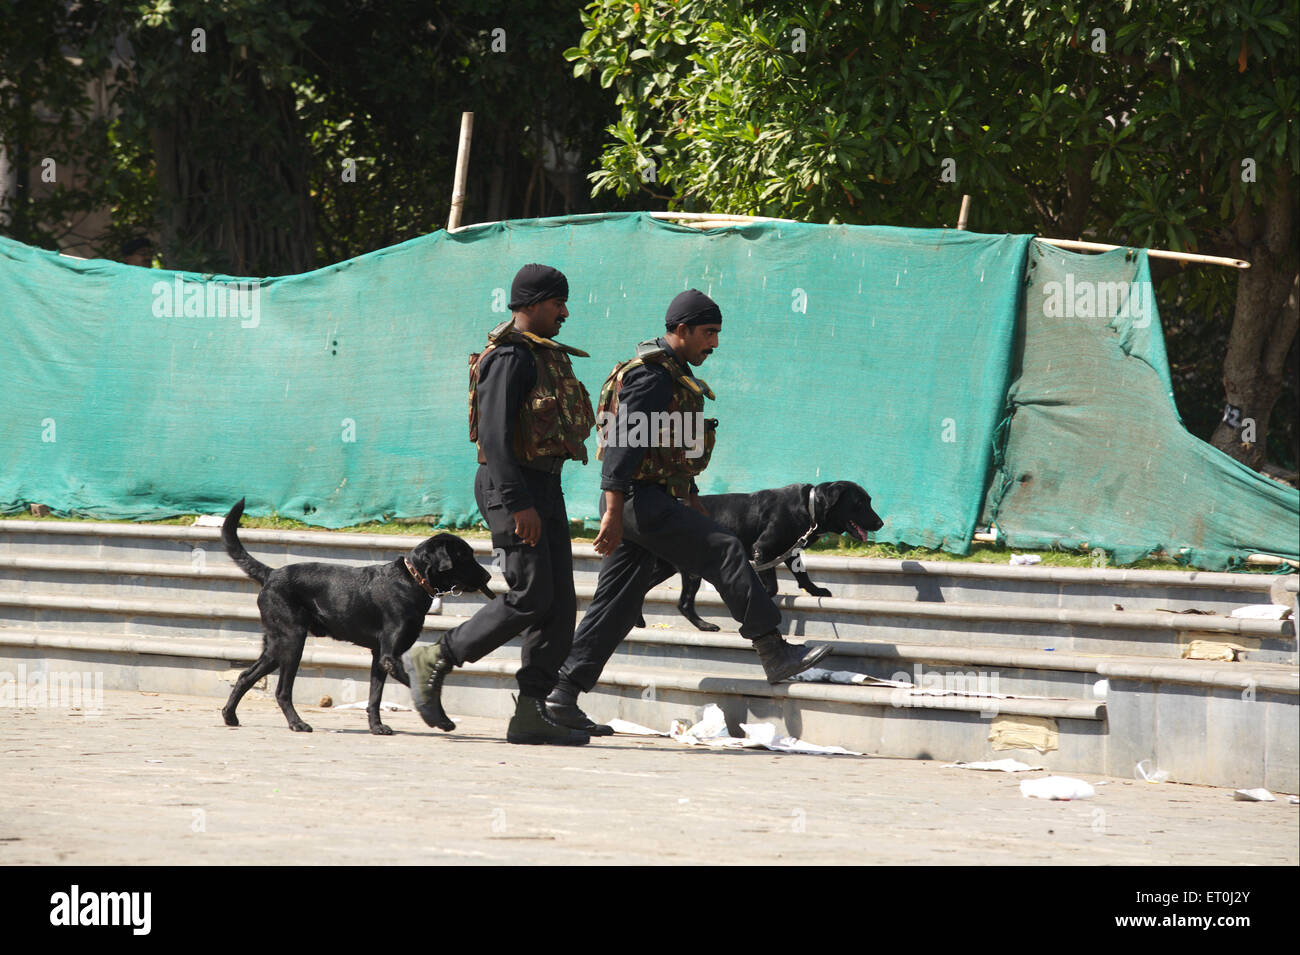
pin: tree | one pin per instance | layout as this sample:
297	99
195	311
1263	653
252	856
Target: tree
1129	122
270	136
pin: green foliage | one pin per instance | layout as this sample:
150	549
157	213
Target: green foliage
845	111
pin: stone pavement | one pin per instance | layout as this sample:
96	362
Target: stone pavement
157	779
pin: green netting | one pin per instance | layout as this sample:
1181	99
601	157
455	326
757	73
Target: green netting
1095	452
875	355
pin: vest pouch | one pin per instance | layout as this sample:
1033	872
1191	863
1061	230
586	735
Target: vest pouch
709	438
544	411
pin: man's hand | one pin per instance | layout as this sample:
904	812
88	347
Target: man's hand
695	503
611	524
528	526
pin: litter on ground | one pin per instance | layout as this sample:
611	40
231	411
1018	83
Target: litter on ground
996	766
1056	787
1254	795
383	705
711	730
1262	612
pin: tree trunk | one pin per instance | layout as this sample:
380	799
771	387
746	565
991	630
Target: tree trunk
1264	321
252	217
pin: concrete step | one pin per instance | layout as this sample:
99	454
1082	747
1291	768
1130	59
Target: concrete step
848	577
1155	633
163	608
1185	717
986	668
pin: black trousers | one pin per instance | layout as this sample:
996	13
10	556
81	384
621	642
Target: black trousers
660	536
541	605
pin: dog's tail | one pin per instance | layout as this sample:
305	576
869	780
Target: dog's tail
247	563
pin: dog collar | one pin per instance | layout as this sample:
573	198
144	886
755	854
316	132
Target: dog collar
424	584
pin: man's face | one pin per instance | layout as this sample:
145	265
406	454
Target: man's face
700	342
546	317
142	257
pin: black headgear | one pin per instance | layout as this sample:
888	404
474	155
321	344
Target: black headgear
135	245
536	283
693	307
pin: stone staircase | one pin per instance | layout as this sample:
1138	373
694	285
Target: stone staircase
1088	665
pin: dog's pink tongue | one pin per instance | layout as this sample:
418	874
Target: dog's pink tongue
862	535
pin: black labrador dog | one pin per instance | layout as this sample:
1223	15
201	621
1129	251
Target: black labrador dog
380	607
769	523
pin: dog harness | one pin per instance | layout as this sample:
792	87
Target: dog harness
802	542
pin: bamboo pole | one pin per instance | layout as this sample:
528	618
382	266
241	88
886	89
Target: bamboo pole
713	220
462	169
965	212
1154	253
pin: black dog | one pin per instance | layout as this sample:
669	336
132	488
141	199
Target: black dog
380	607
769	523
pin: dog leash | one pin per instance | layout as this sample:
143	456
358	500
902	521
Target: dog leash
424	584
802	542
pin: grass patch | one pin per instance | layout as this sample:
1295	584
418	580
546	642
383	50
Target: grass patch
838	546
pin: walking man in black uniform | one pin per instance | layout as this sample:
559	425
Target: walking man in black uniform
652	520
528	414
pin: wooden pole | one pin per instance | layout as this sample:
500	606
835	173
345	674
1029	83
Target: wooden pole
462	169
1153	253
965	211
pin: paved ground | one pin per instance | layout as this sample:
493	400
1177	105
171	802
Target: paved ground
158	779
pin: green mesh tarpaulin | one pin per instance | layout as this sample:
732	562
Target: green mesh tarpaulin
875	355
878	355
1094	450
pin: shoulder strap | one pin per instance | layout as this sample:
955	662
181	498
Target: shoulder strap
652	352
506	332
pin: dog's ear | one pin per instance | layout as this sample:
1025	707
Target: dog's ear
828	495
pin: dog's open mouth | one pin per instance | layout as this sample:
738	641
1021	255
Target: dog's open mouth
857	529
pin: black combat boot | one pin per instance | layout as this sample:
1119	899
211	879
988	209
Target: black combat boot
562	707
782	660
532	725
427	666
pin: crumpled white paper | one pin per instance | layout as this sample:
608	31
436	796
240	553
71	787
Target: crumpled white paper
1025	559
1262	612
632	729
996	765
1254	795
1056	787
822	675
711	730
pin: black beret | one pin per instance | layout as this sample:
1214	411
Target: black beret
536	283
693	307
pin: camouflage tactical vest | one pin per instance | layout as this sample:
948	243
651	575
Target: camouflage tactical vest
555	417
669	463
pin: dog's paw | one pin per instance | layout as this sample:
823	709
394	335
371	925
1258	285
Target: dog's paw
380	729
230	718
300	727
816	591
707	627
